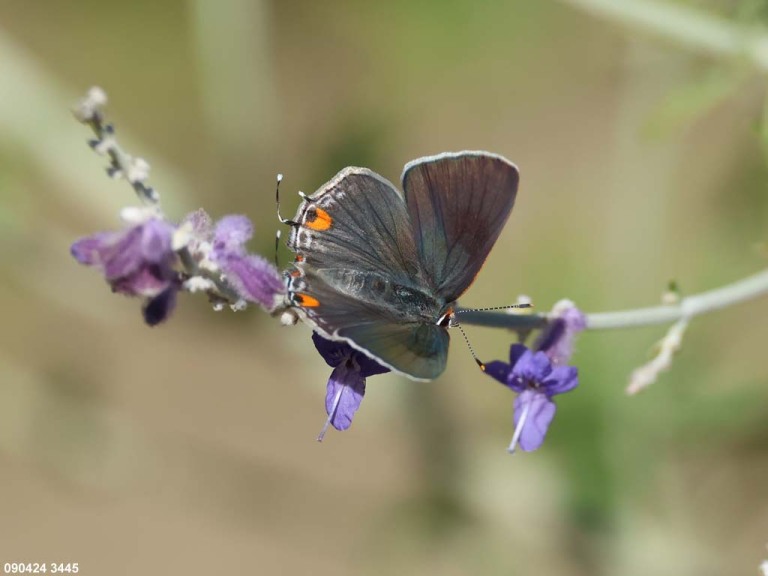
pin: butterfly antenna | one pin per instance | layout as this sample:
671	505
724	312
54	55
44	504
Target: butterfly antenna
455	324
508	307
277	244
277	201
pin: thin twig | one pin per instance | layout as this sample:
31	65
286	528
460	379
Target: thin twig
688	307
691	27
122	165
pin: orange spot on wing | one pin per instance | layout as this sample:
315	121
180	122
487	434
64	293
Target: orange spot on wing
299	258
318	219
306	301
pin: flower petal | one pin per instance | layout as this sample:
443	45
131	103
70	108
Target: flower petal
516	351
230	236
556	340
532	366
136	261
541	410
199	222
130	250
121	255
159	308
332	351
155	241
348	384
254	278
550	335
88	250
368	366
562	379
498	370
147	281
336	351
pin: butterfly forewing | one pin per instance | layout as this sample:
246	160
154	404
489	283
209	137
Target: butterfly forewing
358	221
458	204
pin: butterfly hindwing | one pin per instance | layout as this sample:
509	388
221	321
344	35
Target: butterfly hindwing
382	328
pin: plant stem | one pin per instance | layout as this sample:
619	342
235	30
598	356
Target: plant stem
689	26
119	159
688	307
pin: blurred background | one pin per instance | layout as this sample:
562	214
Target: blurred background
190	448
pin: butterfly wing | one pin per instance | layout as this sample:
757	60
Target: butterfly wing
458	204
358	276
378	327
358	221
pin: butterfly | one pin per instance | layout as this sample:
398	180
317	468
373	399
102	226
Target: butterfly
382	270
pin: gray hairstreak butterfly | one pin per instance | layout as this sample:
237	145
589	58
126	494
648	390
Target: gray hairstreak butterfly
382	271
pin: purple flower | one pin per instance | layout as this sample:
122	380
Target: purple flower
346	386
137	261
253	277
556	340
539	375
536	380
200	228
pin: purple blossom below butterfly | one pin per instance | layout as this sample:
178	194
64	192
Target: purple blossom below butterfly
346	386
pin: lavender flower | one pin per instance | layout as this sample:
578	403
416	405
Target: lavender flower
137	261
346	386
253	277
143	260
536	380
565	321
539	375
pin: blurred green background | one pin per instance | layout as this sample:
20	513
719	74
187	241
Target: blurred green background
190	448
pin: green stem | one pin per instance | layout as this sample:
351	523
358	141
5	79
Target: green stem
691	27
688	307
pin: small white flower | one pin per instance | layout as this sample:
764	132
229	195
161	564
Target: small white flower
668	346
139	214
199	284
181	237
103	146
289	318
138	170
88	107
